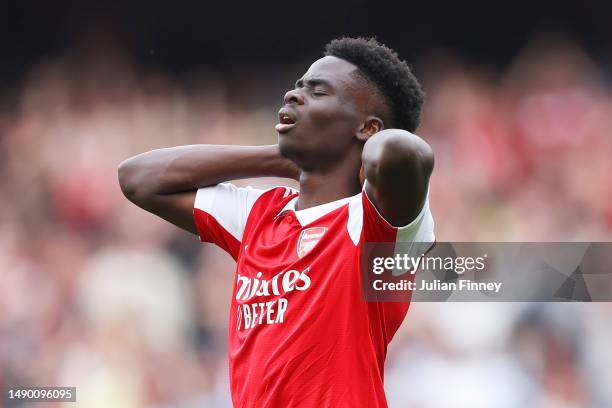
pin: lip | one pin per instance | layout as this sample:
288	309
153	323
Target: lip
282	114
283	127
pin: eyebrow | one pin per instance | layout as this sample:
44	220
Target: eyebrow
312	82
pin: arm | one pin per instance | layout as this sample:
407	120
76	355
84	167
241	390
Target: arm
165	181
397	166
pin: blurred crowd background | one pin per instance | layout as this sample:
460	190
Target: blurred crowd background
96	293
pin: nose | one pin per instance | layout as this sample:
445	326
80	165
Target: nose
294	96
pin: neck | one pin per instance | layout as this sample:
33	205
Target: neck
330	183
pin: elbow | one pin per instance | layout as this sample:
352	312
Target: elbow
125	176
130	179
407	151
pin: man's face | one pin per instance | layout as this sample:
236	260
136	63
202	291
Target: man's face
321	114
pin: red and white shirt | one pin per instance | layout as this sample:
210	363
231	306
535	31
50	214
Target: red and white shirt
300	334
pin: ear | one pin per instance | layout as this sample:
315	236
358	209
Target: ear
371	125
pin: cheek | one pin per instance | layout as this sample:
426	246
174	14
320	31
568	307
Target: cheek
333	116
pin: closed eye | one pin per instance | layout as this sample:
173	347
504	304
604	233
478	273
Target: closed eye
318	86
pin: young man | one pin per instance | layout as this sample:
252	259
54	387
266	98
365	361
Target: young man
300	333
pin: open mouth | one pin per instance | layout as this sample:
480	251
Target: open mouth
286	121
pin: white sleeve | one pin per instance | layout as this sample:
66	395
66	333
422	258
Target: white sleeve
221	213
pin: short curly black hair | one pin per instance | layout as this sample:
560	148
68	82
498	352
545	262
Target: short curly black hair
391	76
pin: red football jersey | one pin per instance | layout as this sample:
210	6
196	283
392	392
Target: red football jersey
300	334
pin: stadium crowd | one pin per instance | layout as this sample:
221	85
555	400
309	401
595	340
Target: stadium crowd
96	293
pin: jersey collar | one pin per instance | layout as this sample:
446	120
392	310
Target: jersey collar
311	214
